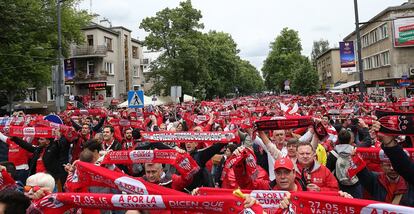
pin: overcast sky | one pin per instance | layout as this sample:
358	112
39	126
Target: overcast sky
253	24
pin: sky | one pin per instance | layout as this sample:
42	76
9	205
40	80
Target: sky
253	24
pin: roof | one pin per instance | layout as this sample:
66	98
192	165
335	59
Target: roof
330	49
345	85
100	27
121	27
404	6
137	41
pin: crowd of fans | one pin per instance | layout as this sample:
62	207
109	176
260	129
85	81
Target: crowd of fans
317	157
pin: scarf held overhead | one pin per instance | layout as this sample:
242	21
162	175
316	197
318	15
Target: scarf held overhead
199	137
184	163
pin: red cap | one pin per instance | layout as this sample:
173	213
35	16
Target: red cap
284	163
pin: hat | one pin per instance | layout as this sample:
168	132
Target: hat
284	163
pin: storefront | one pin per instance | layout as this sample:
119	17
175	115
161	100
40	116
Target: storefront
398	87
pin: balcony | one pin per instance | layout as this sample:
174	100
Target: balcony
85	51
83	77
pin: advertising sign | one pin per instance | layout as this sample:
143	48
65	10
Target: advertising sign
69	71
347	55
404	32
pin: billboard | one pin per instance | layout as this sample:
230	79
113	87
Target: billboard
69	71
347	55
404	32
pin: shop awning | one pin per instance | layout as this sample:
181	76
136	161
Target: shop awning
345	85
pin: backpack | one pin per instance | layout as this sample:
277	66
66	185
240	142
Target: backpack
343	162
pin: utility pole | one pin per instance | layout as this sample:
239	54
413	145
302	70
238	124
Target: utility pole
60	83
360	66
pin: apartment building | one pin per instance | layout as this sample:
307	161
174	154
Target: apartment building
329	69
107	65
388	67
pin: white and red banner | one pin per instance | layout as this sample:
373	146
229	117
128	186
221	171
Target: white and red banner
87	175
199	137
377	154
61	202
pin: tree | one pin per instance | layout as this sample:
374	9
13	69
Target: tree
283	59
175	31
305	81
206	65
249	80
28	41
319	47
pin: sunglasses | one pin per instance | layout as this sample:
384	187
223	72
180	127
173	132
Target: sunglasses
28	188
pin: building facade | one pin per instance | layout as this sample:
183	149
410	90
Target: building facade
107	65
387	67
329	69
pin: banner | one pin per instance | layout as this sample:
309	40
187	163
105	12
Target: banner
307	202
377	155
61	202
69	71
36	132
87	175
347	55
199	137
403	32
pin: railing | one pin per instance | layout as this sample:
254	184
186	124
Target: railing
83	76
85	50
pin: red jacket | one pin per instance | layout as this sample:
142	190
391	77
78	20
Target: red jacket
319	175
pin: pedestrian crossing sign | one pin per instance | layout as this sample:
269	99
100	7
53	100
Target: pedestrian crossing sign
136	99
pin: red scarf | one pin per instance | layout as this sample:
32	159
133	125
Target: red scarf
246	160
6	180
377	154
289	122
87	175
60	202
199	137
36	132
184	163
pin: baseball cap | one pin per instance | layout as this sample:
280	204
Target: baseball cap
284	163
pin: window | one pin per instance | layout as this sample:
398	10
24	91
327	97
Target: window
50	95
365	40
377	61
109	67
135	71
90	68
134	52
110	90
67	90
136	87
374	36
385	58
31	94
108	43
90	40
383	31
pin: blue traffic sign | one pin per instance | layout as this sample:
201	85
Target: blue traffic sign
136	99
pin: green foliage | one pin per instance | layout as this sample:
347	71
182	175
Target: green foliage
305	81
319	47
28	41
283	59
204	64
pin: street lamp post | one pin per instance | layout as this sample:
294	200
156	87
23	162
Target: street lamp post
60	83
360	66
